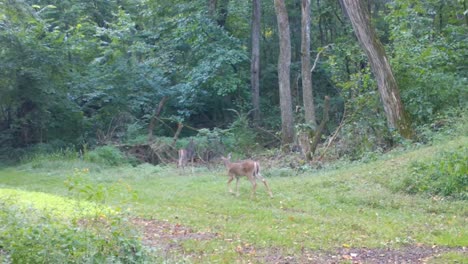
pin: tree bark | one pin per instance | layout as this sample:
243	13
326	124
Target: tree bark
212	8
155	117
322	40
223	12
255	60
307	92
318	133
284	63
387	85
177	133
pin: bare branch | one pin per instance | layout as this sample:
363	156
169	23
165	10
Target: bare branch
318	56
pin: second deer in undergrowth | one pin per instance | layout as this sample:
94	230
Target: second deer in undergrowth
248	168
187	154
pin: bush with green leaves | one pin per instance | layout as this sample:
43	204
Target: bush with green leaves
39	235
81	187
244	137
429	56
446	175
107	155
448	124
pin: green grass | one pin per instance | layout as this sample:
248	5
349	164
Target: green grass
57	205
37	227
355	205
451	257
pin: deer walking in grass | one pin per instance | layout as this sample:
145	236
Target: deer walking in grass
185	155
248	168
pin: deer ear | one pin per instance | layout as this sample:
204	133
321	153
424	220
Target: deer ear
229	156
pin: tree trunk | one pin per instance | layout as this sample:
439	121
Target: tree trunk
322	40
318	133
307	94
177	133
255	60
284	63
387	85
155	117
223	12
212	8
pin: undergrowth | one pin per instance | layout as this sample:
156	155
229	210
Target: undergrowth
445	175
50	229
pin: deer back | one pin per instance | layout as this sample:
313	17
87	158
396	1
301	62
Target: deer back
240	168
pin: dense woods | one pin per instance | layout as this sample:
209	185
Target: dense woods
78	74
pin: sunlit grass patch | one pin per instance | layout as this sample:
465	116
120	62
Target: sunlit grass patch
57	205
43	228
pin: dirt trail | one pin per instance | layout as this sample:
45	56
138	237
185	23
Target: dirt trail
168	237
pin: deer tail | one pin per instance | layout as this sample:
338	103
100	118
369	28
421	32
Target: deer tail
256	169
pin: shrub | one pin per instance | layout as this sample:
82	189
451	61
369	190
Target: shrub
108	155
446	175
29	235
244	137
80	186
448	124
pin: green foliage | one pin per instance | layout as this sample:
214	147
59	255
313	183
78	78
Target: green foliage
429	56
448	124
107	155
446	176
41	155
212	143
135	134
365	129
29	235
80	186
238	138
94	72
31	79
69	75
243	135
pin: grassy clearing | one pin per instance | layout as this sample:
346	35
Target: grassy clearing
353	206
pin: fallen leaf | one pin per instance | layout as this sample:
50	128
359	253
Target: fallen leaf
347	257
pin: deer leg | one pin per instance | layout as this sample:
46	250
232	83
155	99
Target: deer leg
191	164
231	177
254	186
237	186
266	184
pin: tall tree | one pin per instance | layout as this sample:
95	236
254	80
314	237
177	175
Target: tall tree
284	63
212	8
387	85
255	60
222	12
307	94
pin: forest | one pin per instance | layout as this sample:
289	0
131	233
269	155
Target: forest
93	73
99	100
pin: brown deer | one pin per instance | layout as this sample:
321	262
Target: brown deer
248	168
186	154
